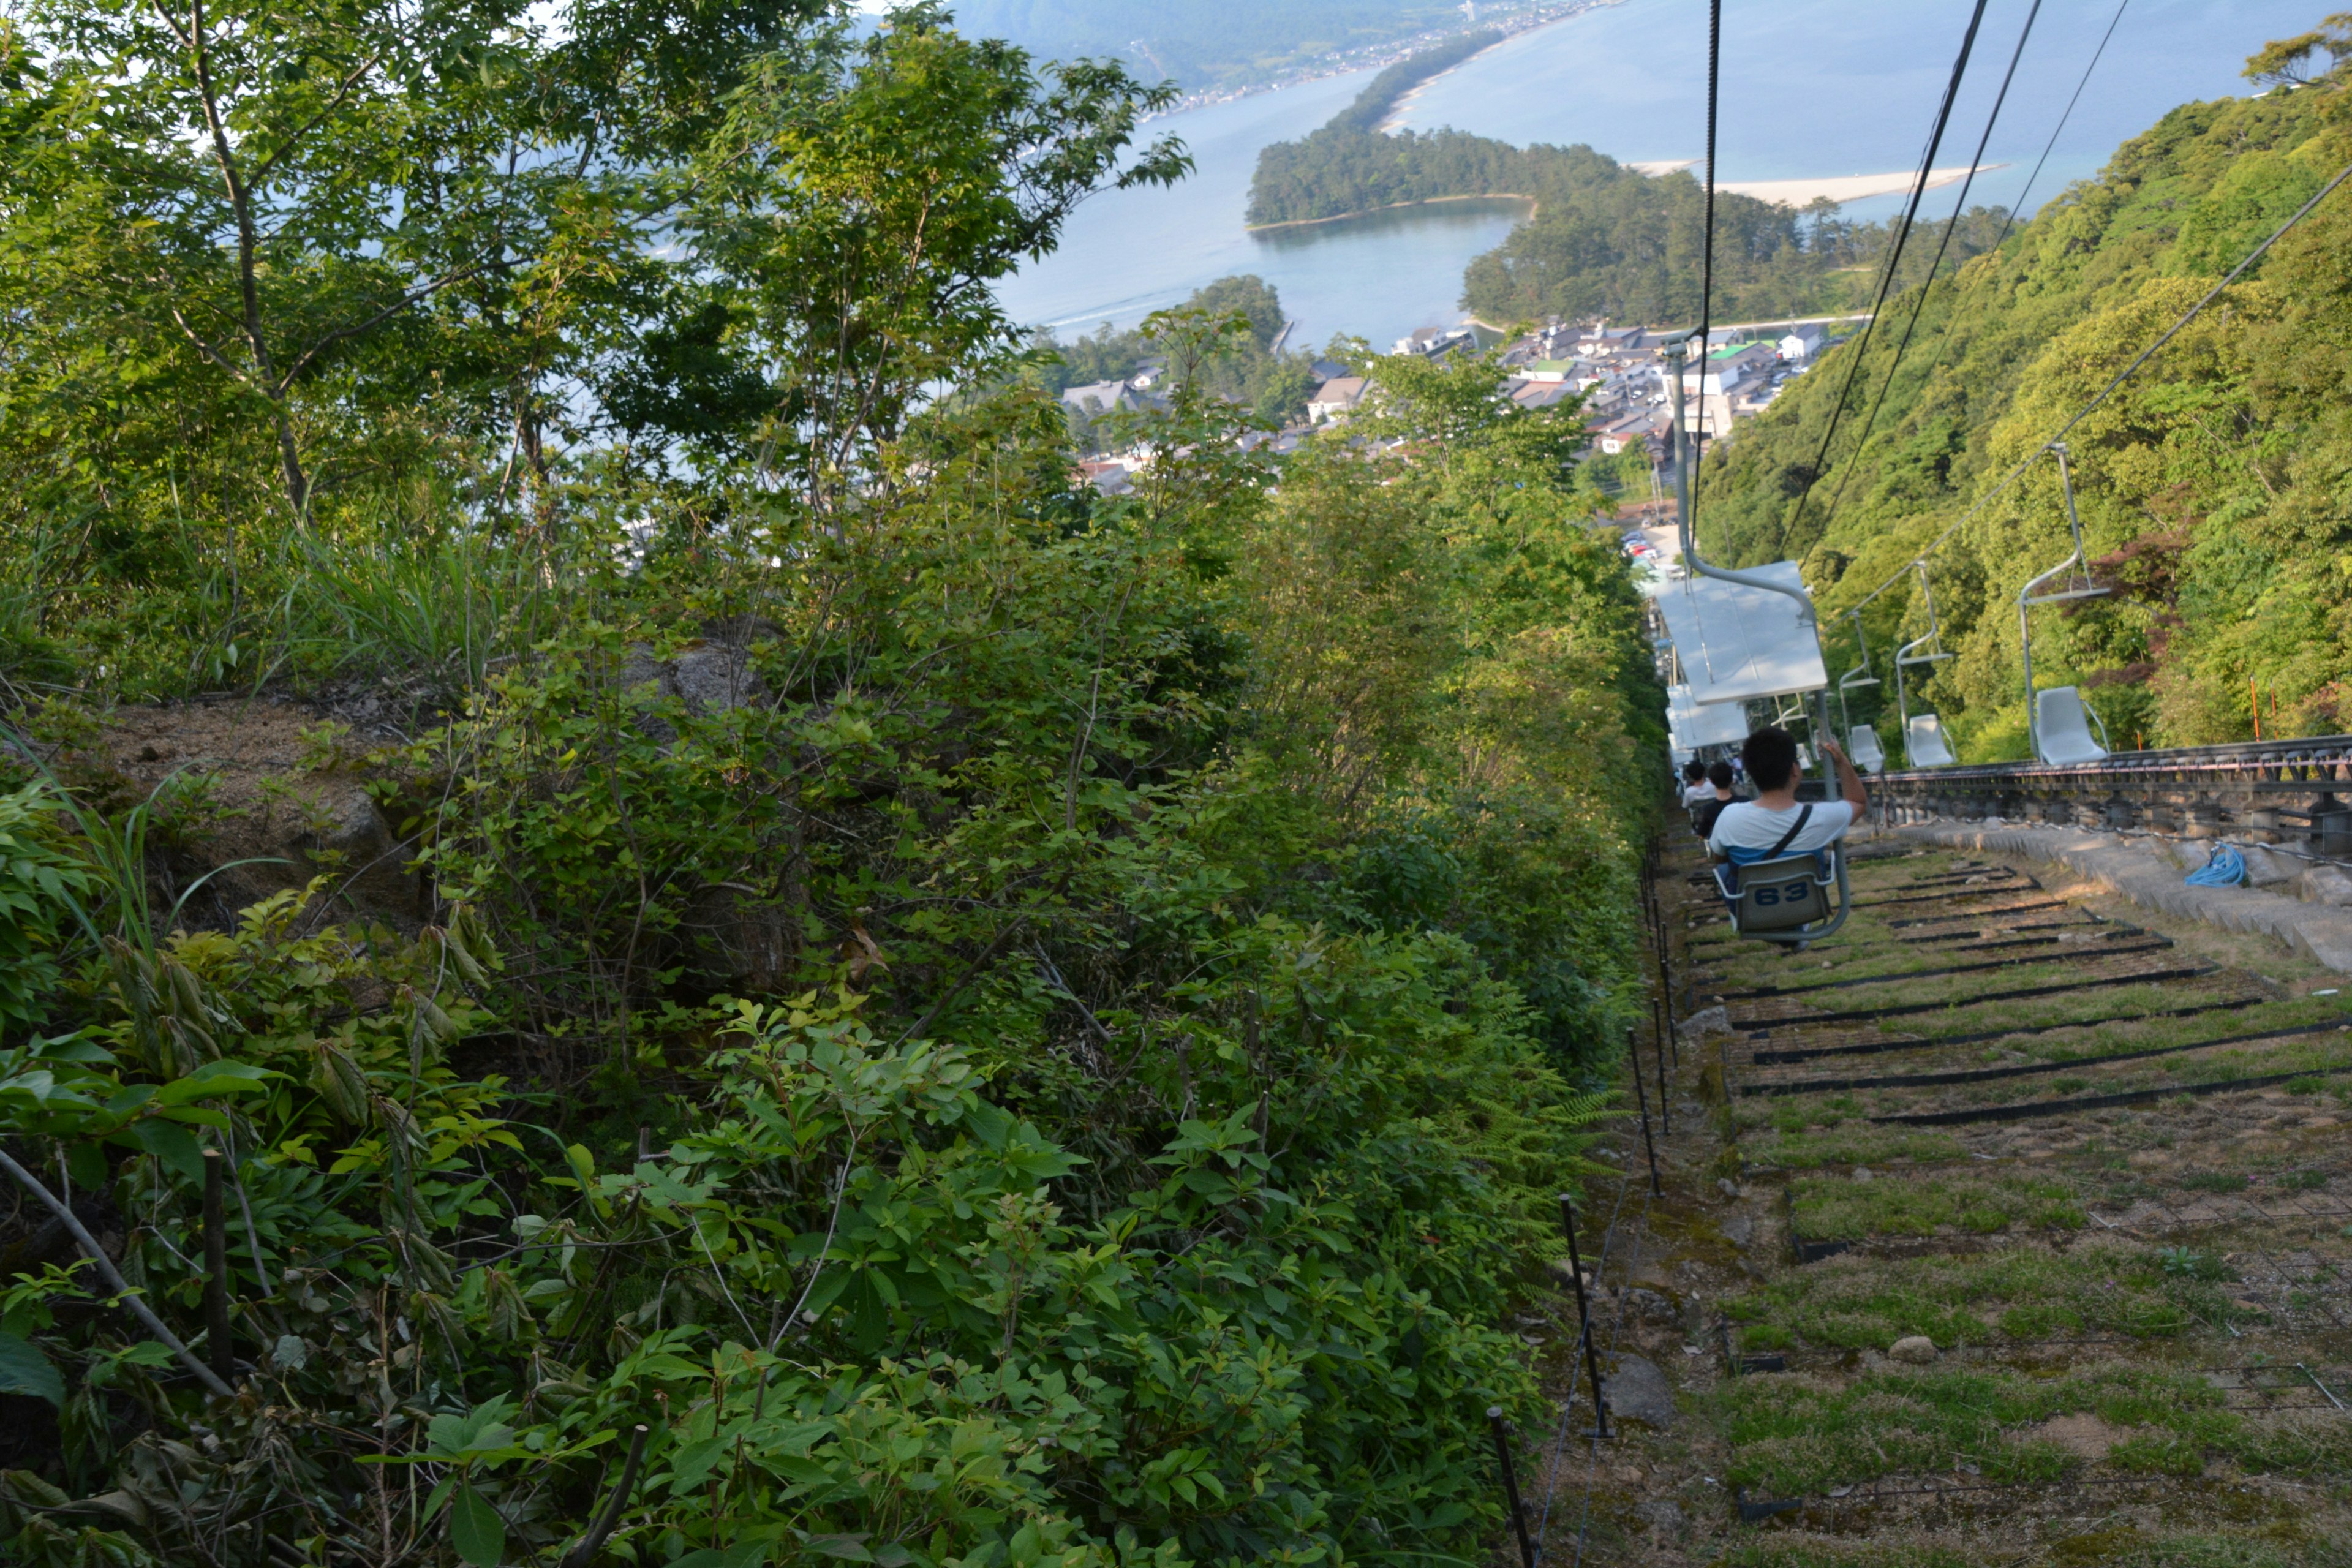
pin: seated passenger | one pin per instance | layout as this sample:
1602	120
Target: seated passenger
1773	824
1695	785
1719	777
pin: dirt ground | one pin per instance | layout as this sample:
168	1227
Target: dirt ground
2085	1311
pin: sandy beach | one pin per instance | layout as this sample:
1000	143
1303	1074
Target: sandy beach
1847	188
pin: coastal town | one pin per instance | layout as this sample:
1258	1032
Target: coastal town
1616	374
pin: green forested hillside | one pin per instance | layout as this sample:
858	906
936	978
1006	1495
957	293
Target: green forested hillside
627	938
2215	489
1603	239
1246	369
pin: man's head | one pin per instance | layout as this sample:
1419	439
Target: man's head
1771	755
1719	776
1694	772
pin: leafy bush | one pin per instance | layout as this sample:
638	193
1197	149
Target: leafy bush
886	1041
40	886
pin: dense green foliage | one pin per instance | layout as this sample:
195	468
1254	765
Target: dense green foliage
1375	102
1245	367
1203	43
912	1013
1603	239
2212	488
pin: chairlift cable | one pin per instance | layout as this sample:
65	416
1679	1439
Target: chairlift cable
2113	386
1894	262
1707	252
2024	193
2050	146
2024	198
1919	306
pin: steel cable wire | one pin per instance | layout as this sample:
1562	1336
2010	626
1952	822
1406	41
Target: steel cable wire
1893	259
1919	305
2111	388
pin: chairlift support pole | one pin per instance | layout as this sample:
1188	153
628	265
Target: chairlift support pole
1688	534
1845	716
1906	655
2027	598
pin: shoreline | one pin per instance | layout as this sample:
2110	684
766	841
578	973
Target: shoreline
1301	75
1388	125
1397	206
1840	189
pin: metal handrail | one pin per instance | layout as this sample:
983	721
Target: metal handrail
2330	752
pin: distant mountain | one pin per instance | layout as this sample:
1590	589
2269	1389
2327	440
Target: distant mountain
1203	44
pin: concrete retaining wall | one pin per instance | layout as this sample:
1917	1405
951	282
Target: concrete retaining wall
2148	874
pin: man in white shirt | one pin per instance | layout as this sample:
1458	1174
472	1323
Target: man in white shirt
1773	824
1694	785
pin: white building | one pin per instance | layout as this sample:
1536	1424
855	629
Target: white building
1434	342
1336	398
1801	343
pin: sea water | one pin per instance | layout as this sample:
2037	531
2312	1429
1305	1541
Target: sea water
1127	253
1810	89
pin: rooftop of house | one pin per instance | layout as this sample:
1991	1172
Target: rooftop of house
1102	393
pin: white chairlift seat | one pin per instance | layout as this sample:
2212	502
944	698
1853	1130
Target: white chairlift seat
2061	726
1862	745
1924	741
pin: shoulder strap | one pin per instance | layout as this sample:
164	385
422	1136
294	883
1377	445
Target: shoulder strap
1790	836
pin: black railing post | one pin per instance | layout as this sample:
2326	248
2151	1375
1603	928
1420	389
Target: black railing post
1642	1098
1584	1321
223	1351
1511	1485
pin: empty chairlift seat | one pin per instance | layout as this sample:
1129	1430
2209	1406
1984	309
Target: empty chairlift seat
1924	741
2063	727
1862	745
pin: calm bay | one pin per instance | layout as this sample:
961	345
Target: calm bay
1811	88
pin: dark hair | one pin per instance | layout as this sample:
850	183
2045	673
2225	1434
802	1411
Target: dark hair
1770	754
1693	771
1719	776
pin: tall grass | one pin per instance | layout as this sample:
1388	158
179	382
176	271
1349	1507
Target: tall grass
436	613
30	659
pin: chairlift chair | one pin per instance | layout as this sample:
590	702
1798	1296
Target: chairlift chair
2053	718
1788	899
1861	745
2062	736
1923	741
1922	737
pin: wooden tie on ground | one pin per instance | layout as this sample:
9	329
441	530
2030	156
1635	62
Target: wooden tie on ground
1996	1230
